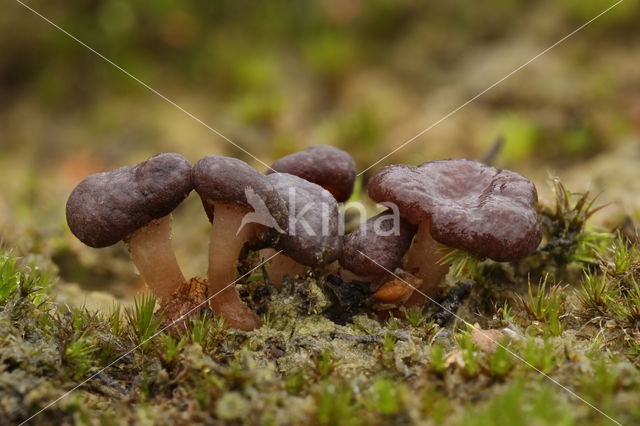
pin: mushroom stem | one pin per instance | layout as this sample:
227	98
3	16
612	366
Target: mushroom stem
280	266
348	276
151	251
224	249
422	261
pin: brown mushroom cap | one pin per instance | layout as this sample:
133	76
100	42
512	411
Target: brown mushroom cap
327	166
386	250
225	180
106	207
471	206
319	211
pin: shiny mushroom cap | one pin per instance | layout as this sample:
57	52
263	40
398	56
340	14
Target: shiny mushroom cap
469	205
313	237
378	240
327	166
106	207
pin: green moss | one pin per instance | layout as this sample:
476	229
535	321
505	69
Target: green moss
519	404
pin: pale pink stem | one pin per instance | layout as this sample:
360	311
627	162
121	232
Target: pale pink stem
151	251
422	261
224	249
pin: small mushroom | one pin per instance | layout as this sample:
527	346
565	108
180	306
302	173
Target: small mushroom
313	237
462	204
327	166
376	246
373	249
134	204
243	208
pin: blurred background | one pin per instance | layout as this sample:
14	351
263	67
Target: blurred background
278	76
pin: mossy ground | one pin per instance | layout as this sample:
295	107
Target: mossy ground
570	313
363	76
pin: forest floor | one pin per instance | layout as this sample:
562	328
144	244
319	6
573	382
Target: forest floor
79	341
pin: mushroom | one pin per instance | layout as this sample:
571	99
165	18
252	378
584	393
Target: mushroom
327	166
243	208
461	204
134	204
313	237
373	249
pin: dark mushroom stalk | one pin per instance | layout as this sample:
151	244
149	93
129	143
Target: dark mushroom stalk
134	204
460	204
313	238
243	209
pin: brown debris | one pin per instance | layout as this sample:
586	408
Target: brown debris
396	291
190	298
393	291
487	340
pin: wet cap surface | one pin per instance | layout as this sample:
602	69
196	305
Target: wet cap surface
226	180
106	207
327	166
313	238
471	206
380	243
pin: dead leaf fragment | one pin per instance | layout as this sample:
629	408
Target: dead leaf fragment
487	340
392	292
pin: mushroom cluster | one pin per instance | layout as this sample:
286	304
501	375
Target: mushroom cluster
292	214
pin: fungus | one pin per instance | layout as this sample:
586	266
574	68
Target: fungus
373	249
243	208
313	233
327	166
461	204
134	204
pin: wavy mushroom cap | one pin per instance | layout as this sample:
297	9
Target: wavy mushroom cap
377	239
471	206
229	180
327	166
106	207
313	238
